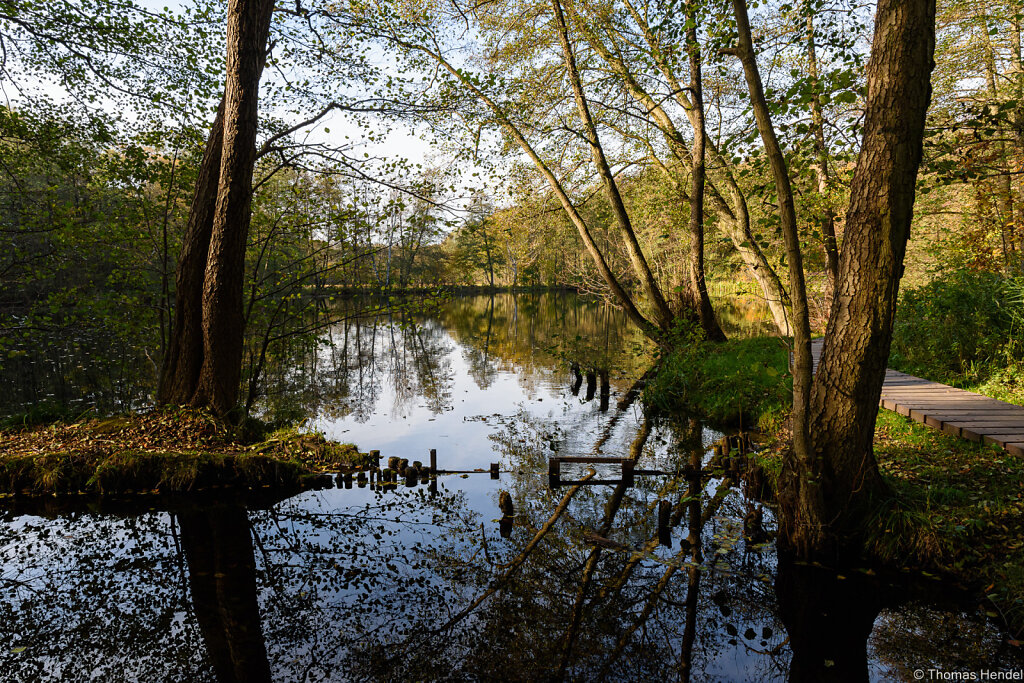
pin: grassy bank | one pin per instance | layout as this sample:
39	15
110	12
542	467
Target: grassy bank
739	383
965	503
959	508
173	451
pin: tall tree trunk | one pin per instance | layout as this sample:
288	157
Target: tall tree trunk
733	214
223	321
180	372
1005	213
697	291
802	363
827	217
663	314
618	292
826	494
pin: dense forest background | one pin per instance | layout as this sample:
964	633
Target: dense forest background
106	109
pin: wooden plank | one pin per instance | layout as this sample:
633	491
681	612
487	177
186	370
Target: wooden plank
989	423
601	460
963	409
1001	439
976	427
957	412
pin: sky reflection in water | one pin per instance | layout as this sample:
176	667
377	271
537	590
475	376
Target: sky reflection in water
357	584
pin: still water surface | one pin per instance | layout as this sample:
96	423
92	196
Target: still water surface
432	583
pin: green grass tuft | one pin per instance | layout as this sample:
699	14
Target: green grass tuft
741	382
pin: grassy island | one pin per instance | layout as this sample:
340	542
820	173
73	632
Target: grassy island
166	451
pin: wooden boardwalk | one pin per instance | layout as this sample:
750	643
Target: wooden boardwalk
954	411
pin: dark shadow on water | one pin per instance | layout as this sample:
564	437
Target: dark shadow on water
829	617
222	577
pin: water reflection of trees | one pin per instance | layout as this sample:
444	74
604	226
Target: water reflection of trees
405	585
406	351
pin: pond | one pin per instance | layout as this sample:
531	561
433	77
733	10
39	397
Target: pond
665	577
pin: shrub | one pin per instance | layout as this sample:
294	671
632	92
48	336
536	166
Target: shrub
963	328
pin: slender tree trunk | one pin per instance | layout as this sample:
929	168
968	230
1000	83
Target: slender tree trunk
697	292
663	314
248	29
618	292
826	494
828	217
802	363
1017	59
733	214
1005	183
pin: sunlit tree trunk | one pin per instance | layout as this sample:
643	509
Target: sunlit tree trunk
827	216
697	291
802	363
827	492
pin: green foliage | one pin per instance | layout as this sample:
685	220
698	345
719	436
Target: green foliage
964	329
743	382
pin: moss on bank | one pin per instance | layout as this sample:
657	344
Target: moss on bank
958	508
170	451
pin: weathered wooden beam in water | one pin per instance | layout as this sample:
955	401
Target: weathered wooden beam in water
605	391
555	473
505	504
664	523
433	461
495	471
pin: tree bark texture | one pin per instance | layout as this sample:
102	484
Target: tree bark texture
827	493
180	371
204	365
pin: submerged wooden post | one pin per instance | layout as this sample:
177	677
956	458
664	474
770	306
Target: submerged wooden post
433	462
664	522
495	472
627	472
505	503
605	391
